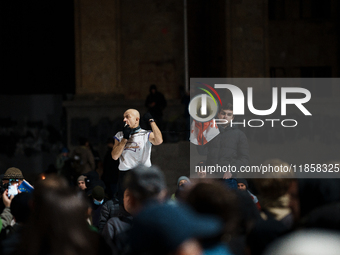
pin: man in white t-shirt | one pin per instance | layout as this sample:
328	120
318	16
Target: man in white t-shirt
133	145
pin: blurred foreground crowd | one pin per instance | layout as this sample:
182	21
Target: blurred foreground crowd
203	216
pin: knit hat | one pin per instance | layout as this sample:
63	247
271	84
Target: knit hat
81	178
98	193
13	173
183	178
244	181
145	181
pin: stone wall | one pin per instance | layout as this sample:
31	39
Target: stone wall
97	47
122	47
296	39
152	49
247	38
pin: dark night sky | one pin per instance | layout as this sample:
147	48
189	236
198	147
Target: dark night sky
37	47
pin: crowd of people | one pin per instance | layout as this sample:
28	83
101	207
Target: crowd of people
203	216
80	210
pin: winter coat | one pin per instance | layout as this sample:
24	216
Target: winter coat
230	147
110	209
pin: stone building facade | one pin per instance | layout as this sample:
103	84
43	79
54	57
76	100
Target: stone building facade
124	46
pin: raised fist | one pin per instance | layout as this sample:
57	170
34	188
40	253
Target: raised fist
147	117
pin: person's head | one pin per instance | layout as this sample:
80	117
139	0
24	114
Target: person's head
182	180
301	242
226	113
64	152
58	224
144	184
127	198
81	182
13	175
98	195
270	190
50	182
215	199
153	89
131	118
169	229
242	184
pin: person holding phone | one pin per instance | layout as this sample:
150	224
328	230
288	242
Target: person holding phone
12	176
6	216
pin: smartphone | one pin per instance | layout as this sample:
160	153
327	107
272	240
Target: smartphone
13	190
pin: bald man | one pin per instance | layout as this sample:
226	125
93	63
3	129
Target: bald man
133	145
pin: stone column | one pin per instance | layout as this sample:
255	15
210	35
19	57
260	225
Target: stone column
97	37
247	38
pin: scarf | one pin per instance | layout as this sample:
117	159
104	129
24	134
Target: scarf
135	130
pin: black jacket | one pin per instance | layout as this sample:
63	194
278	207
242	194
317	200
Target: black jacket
230	147
110	209
116	228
